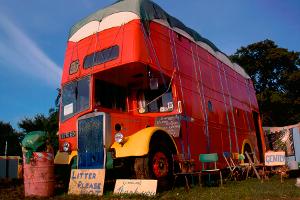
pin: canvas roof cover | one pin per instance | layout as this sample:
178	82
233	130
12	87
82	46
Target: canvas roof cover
147	11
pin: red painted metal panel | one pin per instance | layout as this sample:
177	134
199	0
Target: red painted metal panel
199	79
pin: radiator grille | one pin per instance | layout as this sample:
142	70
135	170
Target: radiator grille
90	143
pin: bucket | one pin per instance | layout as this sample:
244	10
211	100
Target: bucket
39	179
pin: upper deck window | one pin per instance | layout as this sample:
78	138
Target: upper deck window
100	57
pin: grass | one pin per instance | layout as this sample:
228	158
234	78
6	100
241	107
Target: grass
247	189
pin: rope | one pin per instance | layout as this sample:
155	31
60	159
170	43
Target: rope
96	43
226	109
197	79
232	111
248	91
175	63
150	43
203	102
71	58
200	92
96	34
88	49
122	26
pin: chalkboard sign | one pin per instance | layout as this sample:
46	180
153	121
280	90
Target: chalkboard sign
170	123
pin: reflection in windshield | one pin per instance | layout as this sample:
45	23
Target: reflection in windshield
75	98
155	101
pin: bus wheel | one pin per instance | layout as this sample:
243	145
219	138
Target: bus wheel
161	166
158	165
141	168
63	173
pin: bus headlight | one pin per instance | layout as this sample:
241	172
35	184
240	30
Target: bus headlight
66	146
119	137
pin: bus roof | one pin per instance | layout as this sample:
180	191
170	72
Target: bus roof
147	10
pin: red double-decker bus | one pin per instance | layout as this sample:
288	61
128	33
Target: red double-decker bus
139	86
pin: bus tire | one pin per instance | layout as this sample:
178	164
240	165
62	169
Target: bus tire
161	166
141	168
63	173
157	165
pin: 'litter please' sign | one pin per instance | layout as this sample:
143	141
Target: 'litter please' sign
87	181
274	158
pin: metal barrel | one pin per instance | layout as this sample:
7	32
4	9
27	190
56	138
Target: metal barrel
39	179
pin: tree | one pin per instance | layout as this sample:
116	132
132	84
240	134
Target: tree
276	77
41	122
9	135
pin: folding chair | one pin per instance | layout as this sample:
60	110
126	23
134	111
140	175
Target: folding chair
252	164
233	166
237	159
206	159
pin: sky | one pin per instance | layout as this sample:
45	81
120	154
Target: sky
33	35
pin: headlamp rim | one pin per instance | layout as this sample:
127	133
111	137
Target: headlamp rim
120	139
66	146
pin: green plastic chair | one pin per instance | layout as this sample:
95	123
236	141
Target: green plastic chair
210	158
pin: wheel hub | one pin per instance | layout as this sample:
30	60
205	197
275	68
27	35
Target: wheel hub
160	165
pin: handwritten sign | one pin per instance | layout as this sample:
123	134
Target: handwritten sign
87	181
273	158
170	123
134	186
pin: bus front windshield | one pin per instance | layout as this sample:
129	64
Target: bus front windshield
158	100
75	98
108	95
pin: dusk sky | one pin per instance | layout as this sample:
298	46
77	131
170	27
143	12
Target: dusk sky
33	36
